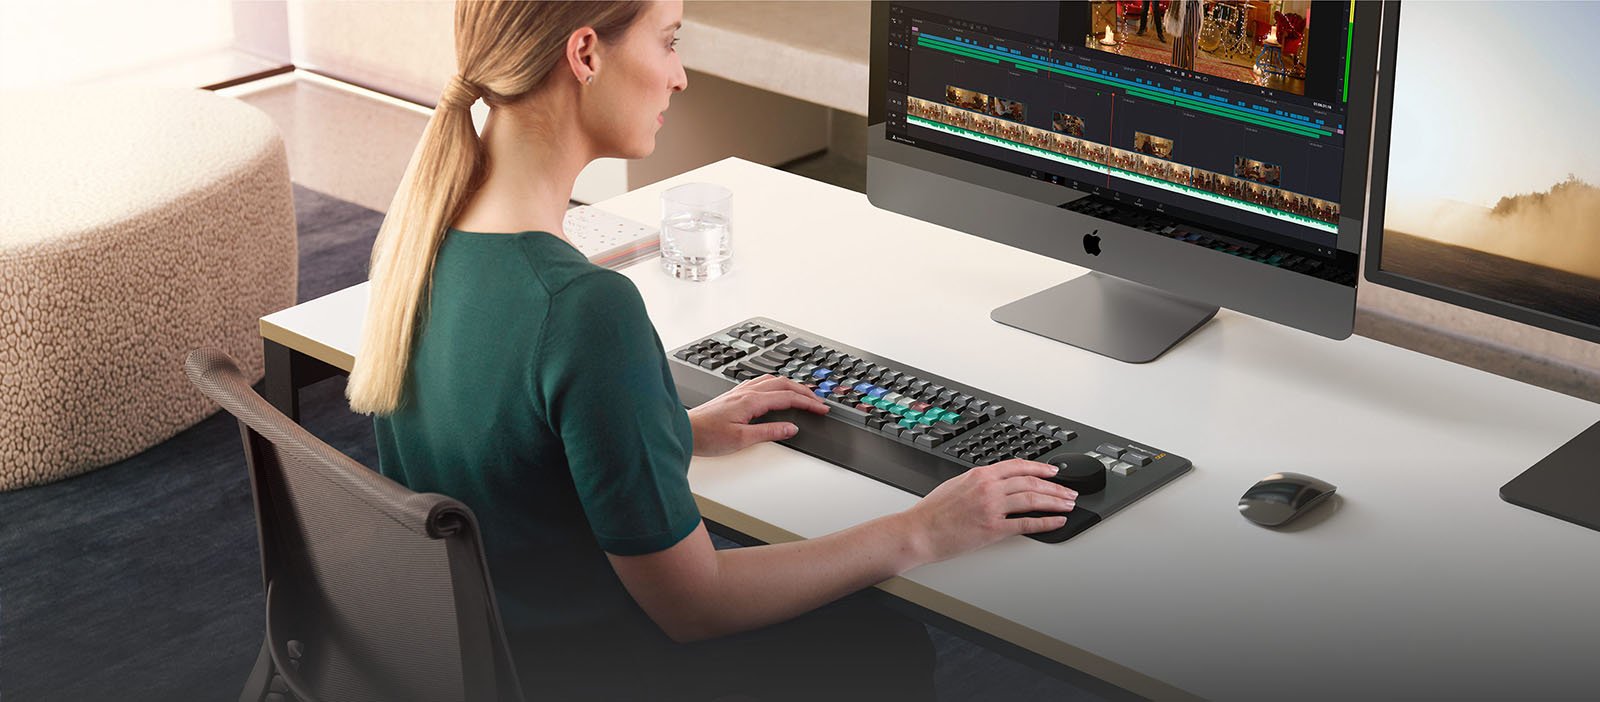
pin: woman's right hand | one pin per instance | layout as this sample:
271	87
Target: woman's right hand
969	511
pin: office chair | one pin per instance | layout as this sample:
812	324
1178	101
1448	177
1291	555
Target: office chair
373	592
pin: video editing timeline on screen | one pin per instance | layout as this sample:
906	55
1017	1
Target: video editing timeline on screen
1243	158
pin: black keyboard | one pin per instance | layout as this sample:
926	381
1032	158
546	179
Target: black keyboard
908	427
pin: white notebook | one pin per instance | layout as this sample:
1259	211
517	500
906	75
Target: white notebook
610	240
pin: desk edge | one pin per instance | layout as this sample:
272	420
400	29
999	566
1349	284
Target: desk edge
310	347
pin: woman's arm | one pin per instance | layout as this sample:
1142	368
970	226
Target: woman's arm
693	591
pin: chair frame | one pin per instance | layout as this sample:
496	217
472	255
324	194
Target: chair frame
488	673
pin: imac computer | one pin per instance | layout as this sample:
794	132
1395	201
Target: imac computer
1194	154
1486	188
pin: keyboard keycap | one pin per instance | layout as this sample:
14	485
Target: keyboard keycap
846	412
763	365
1111	450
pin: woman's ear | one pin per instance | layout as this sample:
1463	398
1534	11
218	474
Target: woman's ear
583	56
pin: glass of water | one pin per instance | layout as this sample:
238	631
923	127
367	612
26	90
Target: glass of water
697	231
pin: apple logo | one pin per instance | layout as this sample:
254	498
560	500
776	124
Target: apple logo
1091	243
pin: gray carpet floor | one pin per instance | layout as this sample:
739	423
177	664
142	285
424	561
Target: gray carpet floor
142	581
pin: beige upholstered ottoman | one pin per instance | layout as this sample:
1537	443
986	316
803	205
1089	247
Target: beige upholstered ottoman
135	225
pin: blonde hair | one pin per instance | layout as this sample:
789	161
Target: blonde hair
504	50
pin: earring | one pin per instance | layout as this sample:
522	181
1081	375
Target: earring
589	80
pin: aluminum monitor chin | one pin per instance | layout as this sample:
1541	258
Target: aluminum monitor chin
1222	165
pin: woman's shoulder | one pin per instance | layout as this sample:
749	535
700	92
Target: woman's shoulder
556	264
599	290
599	311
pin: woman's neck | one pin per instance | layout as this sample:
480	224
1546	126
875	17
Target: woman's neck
532	163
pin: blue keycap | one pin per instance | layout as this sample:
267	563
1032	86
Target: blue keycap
821	373
827	386
863	387
877	392
819	392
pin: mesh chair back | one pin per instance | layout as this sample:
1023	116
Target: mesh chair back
374	592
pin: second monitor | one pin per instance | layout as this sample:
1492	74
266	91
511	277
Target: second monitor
1219	160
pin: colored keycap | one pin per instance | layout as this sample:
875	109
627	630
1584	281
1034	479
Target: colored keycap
863	387
821	373
877	392
826	385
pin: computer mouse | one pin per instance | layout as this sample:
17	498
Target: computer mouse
1281	497
1080	472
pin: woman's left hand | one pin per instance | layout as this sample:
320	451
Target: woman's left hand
723	426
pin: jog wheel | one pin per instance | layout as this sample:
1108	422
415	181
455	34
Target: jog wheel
1080	472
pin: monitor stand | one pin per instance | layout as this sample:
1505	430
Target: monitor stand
1107	315
1565	485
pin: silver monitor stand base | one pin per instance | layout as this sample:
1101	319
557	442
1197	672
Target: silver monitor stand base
1109	316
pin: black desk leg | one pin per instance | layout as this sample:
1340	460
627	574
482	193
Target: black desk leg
287	371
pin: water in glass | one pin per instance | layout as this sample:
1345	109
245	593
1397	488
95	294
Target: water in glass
696	245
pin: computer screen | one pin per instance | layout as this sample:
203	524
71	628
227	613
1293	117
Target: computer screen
1487	185
1221	124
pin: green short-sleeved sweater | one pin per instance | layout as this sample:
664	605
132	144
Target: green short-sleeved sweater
538	394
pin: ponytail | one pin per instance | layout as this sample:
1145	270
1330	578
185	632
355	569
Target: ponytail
445	167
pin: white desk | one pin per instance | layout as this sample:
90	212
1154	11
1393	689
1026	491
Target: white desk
1416	582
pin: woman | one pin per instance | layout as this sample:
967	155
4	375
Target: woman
507	371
